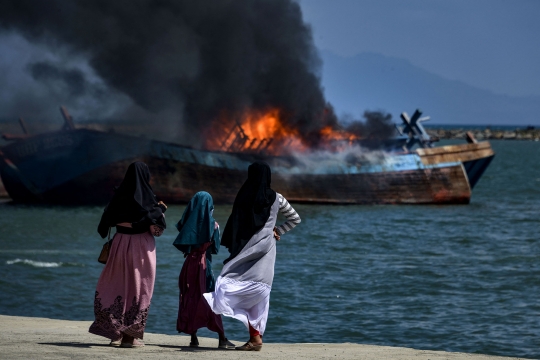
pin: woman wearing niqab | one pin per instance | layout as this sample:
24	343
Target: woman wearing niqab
198	239
243	288
125	286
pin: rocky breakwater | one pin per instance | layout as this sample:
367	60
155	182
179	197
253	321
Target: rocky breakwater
528	133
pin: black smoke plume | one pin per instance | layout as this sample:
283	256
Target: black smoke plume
72	81
195	59
377	125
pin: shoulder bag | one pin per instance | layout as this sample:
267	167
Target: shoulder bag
104	255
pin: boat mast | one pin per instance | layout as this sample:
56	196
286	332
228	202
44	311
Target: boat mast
414	129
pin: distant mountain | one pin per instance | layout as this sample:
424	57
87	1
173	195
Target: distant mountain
370	81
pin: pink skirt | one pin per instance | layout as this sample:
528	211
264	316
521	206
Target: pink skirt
125	287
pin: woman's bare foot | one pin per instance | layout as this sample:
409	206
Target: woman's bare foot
130	342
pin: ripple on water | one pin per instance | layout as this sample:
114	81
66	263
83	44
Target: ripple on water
454	278
40	264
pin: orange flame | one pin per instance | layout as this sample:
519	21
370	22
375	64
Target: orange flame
264	132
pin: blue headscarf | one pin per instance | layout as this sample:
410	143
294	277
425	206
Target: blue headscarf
197	227
197	224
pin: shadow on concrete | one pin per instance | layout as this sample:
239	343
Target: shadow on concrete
194	349
75	344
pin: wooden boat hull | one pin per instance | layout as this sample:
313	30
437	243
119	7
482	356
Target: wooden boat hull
475	157
83	166
429	186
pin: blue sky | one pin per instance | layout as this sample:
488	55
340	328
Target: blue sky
489	44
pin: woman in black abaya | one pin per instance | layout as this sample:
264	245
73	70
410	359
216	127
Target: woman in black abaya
243	288
126	284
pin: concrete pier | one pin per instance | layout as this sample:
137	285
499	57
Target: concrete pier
39	338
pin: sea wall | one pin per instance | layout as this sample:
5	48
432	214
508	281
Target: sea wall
530	133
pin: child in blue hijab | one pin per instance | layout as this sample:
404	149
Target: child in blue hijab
198	240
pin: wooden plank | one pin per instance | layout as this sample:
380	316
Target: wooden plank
453	148
469	136
456	157
455	153
23	126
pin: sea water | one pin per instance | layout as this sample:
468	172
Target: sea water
462	278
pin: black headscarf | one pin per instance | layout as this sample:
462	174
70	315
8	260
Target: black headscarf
133	202
251	209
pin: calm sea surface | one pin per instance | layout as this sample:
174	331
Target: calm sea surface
455	278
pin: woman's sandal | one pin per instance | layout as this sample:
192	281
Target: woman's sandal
194	343
249	347
115	343
136	344
225	344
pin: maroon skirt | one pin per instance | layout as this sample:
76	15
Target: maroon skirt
193	310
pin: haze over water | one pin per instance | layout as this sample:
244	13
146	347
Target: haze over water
454	278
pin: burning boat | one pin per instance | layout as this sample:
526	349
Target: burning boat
82	166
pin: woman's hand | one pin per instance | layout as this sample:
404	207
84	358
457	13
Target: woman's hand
162	203
156	230
276	235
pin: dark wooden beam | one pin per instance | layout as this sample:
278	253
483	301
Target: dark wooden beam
23	125
68	125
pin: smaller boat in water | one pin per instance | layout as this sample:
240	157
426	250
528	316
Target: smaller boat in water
81	166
